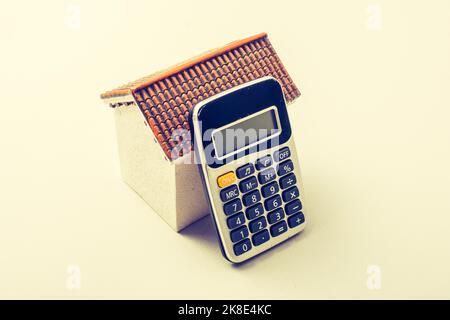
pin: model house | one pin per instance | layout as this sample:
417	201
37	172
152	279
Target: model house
152	115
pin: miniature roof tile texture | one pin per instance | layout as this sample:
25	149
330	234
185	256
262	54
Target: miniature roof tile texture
167	97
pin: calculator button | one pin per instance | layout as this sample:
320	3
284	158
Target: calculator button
290	194
245	171
279	228
254	211
242	247
282	154
263	162
251	198
293	207
248	184
273	203
275	216
236	221
296	220
226	179
270	189
257	224
266	175
229	193
239	234
232	207
285	167
288	181
261	237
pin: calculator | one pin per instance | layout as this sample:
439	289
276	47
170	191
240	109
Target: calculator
249	167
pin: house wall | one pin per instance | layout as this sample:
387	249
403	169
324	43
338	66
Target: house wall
173	190
191	200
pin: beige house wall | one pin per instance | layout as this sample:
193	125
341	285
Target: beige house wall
172	189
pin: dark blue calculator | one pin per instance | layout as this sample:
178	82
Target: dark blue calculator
249	167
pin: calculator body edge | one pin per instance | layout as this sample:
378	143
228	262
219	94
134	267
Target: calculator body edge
222	110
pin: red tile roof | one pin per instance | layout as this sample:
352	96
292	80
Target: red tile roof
166	97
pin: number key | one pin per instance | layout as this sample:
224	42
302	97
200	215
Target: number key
257	224
236	220
232	207
270	189
239	234
254	211
242	247
276	215
273	203
251	198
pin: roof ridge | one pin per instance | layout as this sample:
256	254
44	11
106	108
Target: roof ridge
174	69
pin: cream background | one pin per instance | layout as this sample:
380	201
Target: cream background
372	129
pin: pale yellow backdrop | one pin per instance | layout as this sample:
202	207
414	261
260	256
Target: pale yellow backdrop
372	128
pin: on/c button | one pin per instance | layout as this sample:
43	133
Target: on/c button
226	179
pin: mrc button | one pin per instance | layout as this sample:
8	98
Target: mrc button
229	193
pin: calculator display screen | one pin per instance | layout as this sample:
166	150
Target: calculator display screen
248	131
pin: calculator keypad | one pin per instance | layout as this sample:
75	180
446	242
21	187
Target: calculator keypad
288	181
296	220
233	206
285	167
270	189
251	198
248	184
245	171
290	194
242	247
255	211
282	154
266	191
236	220
239	234
267	175
293	207
261	237
272	203
279	228
263	162
275	215
258	224
229	193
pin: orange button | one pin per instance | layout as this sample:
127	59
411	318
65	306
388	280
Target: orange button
226	179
